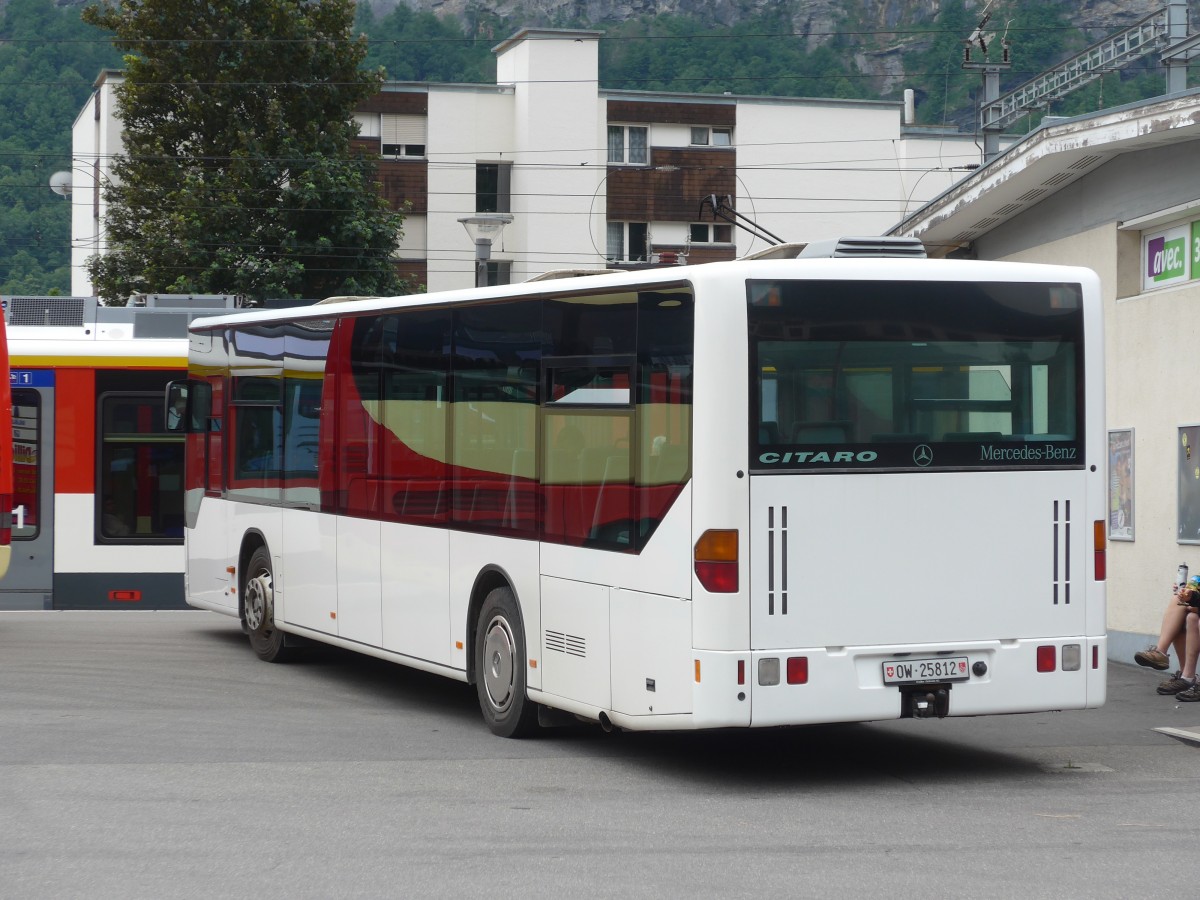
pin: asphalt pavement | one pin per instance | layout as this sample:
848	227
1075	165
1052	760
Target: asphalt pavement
150	754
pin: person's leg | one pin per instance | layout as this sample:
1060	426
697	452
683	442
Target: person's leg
1179	645
1192	648
1185	678
1191	693
1172	627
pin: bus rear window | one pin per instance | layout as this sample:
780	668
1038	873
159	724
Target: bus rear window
915	375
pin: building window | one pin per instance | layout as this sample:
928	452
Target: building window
703	233
403	136
493	192
712	137
627	242
401	150
628	144
499	271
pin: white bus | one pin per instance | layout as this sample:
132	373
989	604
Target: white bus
751	493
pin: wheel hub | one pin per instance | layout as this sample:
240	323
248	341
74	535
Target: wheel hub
258	601
499	653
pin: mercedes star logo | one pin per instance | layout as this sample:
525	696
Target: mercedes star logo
922	456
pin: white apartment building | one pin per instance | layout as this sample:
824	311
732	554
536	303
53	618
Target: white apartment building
594	177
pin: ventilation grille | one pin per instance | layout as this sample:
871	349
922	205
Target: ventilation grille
1085	162
777	560
63	312
570	644
161	323
1062	552
1059	179
857	247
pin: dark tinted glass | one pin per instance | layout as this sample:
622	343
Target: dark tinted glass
924	375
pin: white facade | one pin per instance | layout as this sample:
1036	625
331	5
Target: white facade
805	169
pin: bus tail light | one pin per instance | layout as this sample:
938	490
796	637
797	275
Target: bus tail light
1047	658
797	670
1101	544
716	561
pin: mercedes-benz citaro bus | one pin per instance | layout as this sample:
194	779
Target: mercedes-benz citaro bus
854	485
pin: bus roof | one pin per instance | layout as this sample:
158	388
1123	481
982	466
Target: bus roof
667	277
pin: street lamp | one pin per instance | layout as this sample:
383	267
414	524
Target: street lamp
483	229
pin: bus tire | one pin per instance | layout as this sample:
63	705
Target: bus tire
500	666
258	609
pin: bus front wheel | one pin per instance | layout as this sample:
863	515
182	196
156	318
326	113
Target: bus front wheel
500	666
258	609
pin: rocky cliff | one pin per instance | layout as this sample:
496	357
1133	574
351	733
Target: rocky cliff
886	29
816	17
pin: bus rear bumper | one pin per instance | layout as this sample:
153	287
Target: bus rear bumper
814	685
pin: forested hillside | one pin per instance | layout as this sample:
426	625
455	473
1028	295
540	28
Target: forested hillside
49	60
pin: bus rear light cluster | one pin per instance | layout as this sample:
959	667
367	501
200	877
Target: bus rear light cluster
716	560
1072	658
1100	537
796	669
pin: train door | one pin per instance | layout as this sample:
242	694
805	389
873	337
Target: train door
29	583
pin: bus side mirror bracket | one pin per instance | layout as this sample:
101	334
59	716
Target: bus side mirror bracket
176	414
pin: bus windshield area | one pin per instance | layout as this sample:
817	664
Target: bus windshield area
915	375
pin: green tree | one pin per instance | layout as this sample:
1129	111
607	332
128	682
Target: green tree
238	174
43	51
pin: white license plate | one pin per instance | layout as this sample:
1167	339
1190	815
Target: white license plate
913	671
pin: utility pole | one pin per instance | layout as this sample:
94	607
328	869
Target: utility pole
990	69
1176	58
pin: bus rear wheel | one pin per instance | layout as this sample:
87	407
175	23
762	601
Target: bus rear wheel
500	666
258	609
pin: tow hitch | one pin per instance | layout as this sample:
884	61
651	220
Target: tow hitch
925	701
